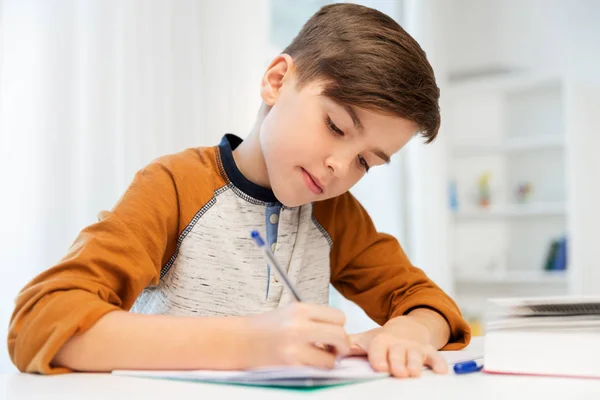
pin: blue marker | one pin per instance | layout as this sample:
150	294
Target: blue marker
467	367
270	258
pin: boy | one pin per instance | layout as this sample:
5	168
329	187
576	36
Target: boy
351	90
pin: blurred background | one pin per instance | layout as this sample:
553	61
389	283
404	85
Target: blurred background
504	203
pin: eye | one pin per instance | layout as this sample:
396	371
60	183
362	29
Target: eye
332	127
363	163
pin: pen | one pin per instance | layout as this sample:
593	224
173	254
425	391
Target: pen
273	262
467	367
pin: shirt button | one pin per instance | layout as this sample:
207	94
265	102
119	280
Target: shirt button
273	247
274	218
275	279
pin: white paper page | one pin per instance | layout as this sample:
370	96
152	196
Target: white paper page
209	375
347	369
352	368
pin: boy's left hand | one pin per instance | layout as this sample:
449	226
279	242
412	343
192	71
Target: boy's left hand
402	347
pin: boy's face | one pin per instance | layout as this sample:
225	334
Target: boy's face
314	148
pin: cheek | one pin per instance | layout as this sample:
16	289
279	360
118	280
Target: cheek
353	180
346	184
272	130
278	127
277	148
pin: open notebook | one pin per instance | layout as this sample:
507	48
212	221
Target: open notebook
348	370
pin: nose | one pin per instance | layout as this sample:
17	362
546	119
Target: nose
339	165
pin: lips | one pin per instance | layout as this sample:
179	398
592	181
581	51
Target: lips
312	183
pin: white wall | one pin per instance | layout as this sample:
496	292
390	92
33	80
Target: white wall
426	182
584	186
556	35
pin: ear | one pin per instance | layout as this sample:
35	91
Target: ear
279	72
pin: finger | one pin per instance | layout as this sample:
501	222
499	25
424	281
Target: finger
378	354
398	359
415	359
436	362
327	335
357	348
320	313
326	347
318	358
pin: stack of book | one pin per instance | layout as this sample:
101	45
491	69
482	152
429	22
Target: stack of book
554	336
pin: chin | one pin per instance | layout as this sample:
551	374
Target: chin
288	197
289	200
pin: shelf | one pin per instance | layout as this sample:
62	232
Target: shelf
503	83
515	277
513	211
510	145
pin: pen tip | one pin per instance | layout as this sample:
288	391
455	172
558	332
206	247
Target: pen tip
256	236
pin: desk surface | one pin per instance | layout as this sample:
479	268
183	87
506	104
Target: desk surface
429	386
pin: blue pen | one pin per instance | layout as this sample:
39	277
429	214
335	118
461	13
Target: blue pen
467	367
271	260
273	263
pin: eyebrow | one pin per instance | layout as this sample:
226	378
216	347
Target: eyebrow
382	155
359	126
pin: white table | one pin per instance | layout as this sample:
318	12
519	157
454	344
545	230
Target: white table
475	386
430	386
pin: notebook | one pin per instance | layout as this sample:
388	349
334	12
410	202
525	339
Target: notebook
548	306
552	336
347	370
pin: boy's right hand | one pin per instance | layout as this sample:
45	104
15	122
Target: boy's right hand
297	334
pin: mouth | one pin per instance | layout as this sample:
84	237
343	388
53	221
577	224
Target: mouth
312	183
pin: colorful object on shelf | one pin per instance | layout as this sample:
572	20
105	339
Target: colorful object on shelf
453	196
556	259
524	191
476	326
483	186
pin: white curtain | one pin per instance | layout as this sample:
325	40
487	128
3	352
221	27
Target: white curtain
92	90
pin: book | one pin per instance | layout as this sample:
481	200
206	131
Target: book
560	260
556	258
550	336
551	256
348	370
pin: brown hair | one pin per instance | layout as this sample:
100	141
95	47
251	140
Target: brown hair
367	60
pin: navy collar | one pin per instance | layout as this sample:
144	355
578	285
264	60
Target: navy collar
229	143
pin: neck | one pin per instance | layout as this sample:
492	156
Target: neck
248	155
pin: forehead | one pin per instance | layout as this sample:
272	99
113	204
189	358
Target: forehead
390	132
379	129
